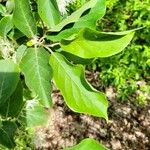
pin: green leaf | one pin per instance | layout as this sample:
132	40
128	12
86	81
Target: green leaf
89	20
7	133
10	6
49	13
37	71
20	53
65	34
23	18
36	115
2	9
6	25
78	94
14	104
97	10
15	34
9	77
75	59
87	144
91	44
96	13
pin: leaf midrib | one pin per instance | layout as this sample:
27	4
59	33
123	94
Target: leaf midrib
70	76
38	70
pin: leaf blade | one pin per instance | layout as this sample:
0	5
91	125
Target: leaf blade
78	94
23	18
96	13
36	115
20	53
7	133
49	12
87	144
9	77
97	6
38	76
90	44
6	25
12	107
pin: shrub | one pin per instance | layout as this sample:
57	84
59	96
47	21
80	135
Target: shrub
40	45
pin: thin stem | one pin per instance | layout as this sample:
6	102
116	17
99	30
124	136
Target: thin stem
49	49
41	39
54	44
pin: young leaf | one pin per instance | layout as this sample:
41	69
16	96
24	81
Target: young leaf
36	115
90	44
20	53
97	11
9	77
78	94
14	104
49	13
7	133
23	18
87	144
10	6
37	72
6	25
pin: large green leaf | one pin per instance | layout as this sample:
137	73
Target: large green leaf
7	133
6	25
37	72
90	44
14	104
87	144
23	18
36	115
78	94
49	13
97	10
9	77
